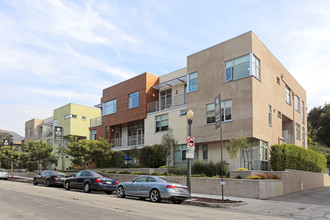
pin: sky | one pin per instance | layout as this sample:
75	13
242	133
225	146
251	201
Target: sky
55	52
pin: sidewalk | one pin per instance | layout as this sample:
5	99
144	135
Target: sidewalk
219	197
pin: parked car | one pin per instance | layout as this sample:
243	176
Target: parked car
155	188
50	178
3	174
89	180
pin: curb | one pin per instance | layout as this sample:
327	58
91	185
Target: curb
22	180
213	205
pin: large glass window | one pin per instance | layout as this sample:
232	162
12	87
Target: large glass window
287	95
226	110
192	77
133	100
298	131
92	134
210	113
240	67
205	152
162	123
110	107
303	111
297	103
135	134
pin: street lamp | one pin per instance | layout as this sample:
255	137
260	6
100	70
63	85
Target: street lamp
190	116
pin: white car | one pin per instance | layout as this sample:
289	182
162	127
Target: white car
3	174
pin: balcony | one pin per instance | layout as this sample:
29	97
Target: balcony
135	140
287	138
166	103
96	121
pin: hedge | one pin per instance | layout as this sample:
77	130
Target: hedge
289	156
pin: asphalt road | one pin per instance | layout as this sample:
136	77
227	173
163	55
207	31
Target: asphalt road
25	201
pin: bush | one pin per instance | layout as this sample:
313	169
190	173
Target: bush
122	172
153	156
289	156
117	159
31	166
209	169
137	173
178	171
241	169
155	173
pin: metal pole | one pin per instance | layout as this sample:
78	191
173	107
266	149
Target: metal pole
221	151
189	162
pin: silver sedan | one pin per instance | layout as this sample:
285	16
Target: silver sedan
155	188
3	174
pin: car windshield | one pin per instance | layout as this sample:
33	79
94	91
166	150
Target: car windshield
163	179
99	174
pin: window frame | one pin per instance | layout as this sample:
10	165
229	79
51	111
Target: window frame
270	115
159	119
110	107
210	111
297	103
288	94
298	131
131	97
191	81
205	151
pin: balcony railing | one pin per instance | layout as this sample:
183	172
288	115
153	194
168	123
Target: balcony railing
165	103
95	121
134	140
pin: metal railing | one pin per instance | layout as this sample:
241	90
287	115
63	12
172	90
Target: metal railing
96	121
132	141
165	103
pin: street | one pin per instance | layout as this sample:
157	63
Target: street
26	201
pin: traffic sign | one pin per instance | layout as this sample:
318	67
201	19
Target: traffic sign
191	142
190	147
58	137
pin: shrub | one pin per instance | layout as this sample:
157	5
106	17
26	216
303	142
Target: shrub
122	172
262	176
155	173
209	169
289	156
274	176
137	173
253	177
161	173
31	166
163	167
179	171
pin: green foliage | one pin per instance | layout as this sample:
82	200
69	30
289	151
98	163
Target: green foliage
178	171
137	173
31	165
287	156
41	152
89	151
169	144
11	156
117	159
163	167
319	124
122	172
153	156
255	177
209	169
236	144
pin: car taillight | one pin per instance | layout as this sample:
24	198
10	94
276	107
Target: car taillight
116	182
187	188
98	180
55	176
170	186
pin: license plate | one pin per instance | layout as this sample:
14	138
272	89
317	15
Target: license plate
108	182
181	189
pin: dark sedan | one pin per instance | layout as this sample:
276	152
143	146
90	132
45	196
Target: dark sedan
89	180
50	178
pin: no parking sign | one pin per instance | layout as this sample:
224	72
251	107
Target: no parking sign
190	147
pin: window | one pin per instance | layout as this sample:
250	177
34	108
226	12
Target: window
70	116
192	84
210	113
226	110
183	155
255	67
180	154
83	117
30	132
106	132
133	100
135	134
287	95
92	134
110	107
74	116
162	123
298	131
303	136
183	112
205	152
240	67
270	115
297	103
303	111
278	80
279	114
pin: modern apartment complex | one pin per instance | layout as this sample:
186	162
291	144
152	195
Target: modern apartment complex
260	99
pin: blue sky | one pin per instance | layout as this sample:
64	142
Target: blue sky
53	52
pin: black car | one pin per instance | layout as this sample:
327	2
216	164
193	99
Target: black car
89	180
50	178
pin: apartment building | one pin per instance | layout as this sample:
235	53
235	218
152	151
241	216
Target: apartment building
260	99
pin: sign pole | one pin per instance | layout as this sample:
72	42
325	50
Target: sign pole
218	119
221	149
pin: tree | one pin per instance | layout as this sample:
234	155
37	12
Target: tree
41	152
169	144
319	122
240	143
89	151
153	156
12	156
135	153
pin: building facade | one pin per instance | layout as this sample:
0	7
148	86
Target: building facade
260	99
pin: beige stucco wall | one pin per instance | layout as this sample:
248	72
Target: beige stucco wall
173	75
33	124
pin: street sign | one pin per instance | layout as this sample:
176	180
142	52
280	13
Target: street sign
190	147
217	111
5	142
58	136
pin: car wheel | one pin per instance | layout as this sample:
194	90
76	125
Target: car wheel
155	195
177	201
35	182
108	192
87	188
120	192
47	182
67	185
